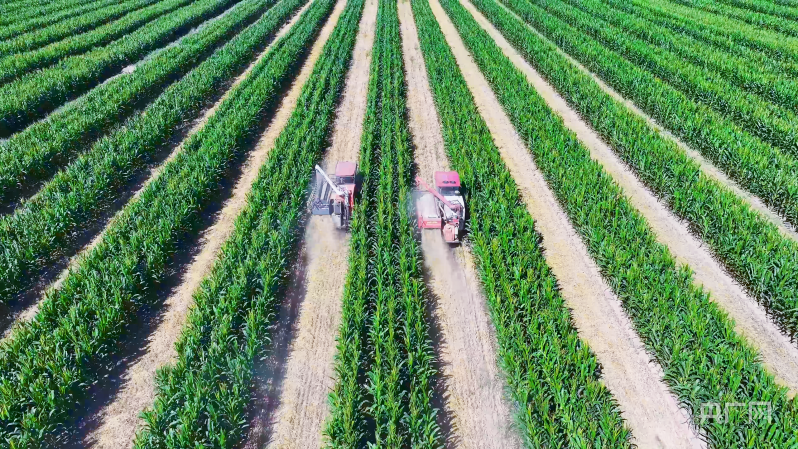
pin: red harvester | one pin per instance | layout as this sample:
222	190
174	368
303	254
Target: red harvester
444	207
336	196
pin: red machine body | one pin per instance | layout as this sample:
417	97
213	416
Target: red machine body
443	207
336	196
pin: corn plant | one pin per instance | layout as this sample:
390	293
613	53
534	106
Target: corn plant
759	168
715	28
40	37
16	12
34	95
702	357
764	80
750	247
384	359
15	24
760	14
79	195
14	65
760	118
202	399
552	376
34	155
783	8
701	33
48	362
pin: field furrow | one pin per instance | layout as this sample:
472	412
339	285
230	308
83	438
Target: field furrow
33	156
694	342
78	325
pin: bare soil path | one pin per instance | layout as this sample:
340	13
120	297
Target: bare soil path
651	411
706	165
291	405
779	355
473	384
119	420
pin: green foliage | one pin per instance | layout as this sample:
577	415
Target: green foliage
702	357
16	62
34	155
15	24
13	13
42	36
552	375
723	31
747	73
47	363
204	395
760	118
32	96
759	168
714	37
750	247
384	359
756	13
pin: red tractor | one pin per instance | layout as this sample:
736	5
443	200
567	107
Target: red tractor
442	208
335	197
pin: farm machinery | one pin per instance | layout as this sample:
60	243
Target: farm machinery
336	196
443	207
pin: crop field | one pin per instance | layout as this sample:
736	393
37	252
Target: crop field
399	224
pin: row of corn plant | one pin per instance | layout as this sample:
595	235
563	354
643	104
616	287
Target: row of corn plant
34	95
43	229
772	84
703	359
781	8
33	156
202	399
15	11
763	119
737	33
553	377
756	166
384	359
750	247
777	18
13	66
699	32
48	363
39	37
13	25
